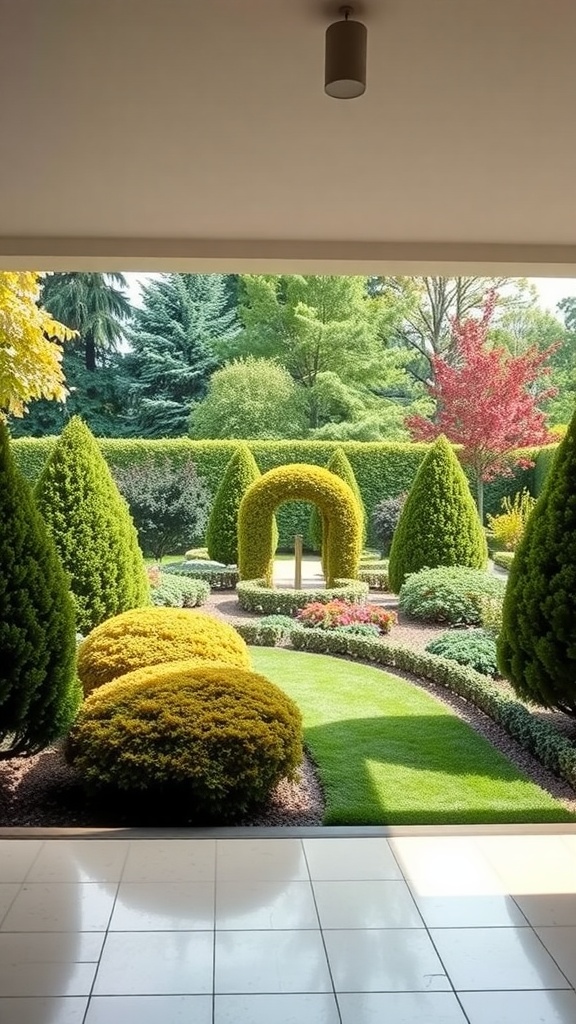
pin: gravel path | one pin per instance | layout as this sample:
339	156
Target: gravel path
43	791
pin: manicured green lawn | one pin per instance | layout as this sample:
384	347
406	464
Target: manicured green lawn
388	753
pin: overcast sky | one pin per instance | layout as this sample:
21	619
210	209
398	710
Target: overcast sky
550	289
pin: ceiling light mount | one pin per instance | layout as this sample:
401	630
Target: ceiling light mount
345	60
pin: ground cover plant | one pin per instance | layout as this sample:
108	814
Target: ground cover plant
453	595
388	753
474	647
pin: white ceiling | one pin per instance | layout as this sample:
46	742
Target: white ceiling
155	132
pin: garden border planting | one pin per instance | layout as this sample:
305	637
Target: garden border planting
254	596
539	738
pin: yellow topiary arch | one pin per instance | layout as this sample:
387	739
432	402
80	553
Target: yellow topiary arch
341	518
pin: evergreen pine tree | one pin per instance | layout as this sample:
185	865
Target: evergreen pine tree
173	355
339	464
39	692
537	643
222	532
92	528
439	524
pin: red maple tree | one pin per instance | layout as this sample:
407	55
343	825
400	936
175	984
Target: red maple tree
484	401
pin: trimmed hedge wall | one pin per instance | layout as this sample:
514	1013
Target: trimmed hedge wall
383	469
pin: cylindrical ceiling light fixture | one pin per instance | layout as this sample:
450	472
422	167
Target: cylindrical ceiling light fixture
345	64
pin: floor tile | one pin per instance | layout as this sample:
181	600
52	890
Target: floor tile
530	864
306	1008
68	1010
265	905
8	893
561	943
272	961
262	860
156	963
50	947
150	1010
520	1007
17	857
548	908
384	960
446	866
401	1008
61	907
83	860
470	911
496	958
173	860
350	859
166	906
373	904
46	979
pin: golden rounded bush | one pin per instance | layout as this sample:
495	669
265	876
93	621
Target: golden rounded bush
188	742
152	636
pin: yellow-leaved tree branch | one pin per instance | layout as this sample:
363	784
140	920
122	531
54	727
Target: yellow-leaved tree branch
30	346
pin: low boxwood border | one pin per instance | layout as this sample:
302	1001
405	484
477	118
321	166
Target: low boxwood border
377	579
503	559
218	579
255	596
539	738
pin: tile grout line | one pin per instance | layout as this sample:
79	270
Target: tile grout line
456	995
106	932
21	884
214	931
325	948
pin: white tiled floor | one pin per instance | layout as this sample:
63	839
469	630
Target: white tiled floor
464	929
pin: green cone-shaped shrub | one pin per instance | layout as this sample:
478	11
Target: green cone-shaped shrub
222	532
339	464
439	524
39	693
537	642
92	528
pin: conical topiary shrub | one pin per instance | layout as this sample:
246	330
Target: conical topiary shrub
439	524
222	531
92	528
339	464
39	692
537	642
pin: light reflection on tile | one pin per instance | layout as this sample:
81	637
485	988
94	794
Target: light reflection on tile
307	1008
150	1010
163	906
401	1008
282	961
94	860
520	1007
260	860
66	1010
156	963
496	958
61	907
265	905
378	960
350	859
361	904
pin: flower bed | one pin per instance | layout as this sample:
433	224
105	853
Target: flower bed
254	596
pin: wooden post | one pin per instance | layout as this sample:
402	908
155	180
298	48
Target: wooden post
298	561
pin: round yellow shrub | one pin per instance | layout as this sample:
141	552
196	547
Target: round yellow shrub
186	742
152	636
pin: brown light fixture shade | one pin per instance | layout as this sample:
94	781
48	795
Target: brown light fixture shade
345	63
